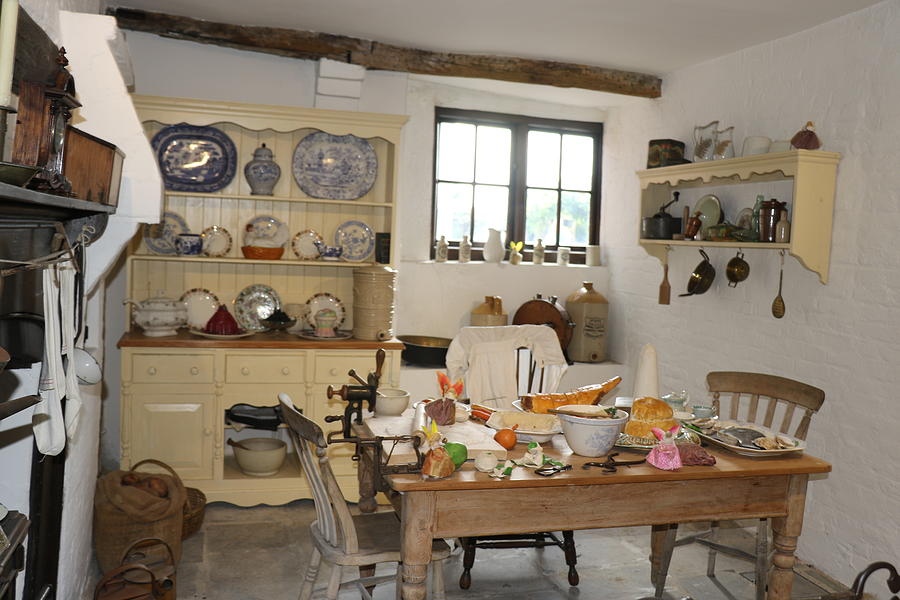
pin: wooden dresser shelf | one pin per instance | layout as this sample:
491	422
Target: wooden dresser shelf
270	340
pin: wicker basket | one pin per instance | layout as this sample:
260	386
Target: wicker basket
194	509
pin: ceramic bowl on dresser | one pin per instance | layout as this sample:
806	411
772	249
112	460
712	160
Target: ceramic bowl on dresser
160	316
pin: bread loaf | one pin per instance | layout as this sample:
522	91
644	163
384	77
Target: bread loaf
647	413
589	394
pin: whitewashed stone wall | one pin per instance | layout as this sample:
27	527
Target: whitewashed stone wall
843	337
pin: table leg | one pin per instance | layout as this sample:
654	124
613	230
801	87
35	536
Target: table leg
415	543
786	530
366	478
662	542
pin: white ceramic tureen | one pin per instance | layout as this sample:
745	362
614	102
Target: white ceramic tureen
159	316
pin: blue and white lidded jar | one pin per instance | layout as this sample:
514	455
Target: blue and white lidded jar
262	172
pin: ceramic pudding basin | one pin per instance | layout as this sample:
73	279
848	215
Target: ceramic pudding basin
589	436
391	402
264	457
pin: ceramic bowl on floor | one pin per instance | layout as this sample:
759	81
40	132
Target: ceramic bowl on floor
391	402
261	456
590	436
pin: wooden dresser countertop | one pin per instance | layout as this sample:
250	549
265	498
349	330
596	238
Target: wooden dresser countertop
270	340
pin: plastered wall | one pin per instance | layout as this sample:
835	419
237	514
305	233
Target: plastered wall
843	337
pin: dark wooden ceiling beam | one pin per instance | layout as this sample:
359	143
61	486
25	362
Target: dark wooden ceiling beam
374	55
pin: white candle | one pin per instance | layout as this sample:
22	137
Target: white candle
9	15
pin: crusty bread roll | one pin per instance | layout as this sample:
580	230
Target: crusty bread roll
647	413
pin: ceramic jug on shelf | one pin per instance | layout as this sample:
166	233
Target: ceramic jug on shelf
493	247
705	141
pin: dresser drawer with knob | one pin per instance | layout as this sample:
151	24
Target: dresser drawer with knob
332	367
168	368
273	368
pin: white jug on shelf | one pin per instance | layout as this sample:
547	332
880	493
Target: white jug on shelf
493	247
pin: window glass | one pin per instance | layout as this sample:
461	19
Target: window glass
456	152
574	218
577	162
491	209
494	145
543	159
540	216
454	210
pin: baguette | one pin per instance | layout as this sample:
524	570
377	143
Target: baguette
589	394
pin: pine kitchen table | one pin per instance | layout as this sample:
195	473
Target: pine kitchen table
736	487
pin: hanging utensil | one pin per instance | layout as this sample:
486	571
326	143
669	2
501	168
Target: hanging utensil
665	290
778	302
701	278
737	270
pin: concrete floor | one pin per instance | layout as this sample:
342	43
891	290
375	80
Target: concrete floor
261	553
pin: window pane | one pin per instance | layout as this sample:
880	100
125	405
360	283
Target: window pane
491	206
577	162
454	210
543	159
494	147
456	151
575	219
540	216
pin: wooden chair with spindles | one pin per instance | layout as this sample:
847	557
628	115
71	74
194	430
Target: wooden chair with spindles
340	538
768	400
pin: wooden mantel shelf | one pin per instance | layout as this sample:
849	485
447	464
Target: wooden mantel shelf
270	340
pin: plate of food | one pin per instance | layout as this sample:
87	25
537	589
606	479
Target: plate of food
530	427
195	158
746	439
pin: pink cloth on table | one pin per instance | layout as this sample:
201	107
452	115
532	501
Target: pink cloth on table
665	457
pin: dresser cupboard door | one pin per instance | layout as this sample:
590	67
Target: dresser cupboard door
176	429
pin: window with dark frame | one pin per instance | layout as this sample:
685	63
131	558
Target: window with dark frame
529	177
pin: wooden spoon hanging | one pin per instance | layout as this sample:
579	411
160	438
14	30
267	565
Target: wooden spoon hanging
665	290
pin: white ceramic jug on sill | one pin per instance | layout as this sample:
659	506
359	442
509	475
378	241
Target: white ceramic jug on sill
493	247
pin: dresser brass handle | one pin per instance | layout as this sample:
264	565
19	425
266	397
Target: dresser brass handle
245	371
195	371
151	371
285	371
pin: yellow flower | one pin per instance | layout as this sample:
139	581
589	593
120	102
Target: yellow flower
516	246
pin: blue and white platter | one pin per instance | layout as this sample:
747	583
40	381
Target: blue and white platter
357	240
335	167
160	237
194	158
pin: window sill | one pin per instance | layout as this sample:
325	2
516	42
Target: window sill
507	264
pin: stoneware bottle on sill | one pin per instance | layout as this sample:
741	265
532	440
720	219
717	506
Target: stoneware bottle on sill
440	250
465	250
538	252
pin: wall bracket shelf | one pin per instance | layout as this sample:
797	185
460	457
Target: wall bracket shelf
814	174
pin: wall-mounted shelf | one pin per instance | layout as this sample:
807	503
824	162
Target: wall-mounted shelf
813	173
280	199
249	261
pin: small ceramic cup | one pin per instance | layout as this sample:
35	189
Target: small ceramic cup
756	144
703	411
592	256
189	244
563	255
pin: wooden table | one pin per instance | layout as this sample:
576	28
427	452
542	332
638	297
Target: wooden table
735	488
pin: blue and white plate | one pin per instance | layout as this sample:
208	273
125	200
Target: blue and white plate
356	238
336	167
195	159
160	237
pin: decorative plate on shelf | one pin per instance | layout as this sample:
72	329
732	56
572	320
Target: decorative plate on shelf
195	159
201	305
254	303
216	241
710	211
304	244
335	167
744	219
357	240
322	300
266	231
310	334
217	336
160	237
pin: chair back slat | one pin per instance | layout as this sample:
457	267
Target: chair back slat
776	390
535	381
754	406
771	405
334	520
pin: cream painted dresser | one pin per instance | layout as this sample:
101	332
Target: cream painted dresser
175	390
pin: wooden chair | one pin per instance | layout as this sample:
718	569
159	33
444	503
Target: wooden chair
340	538
530	379
746	390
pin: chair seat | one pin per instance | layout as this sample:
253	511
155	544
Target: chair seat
378	535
